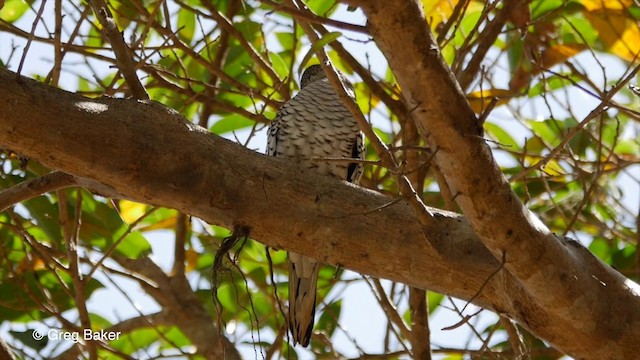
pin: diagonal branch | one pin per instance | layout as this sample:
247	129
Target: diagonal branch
124	58
35	187
544	263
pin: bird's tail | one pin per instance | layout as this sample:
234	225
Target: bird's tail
303	283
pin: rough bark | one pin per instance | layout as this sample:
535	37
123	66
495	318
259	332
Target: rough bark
144	152
549	269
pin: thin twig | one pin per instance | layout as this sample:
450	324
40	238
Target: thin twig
32	34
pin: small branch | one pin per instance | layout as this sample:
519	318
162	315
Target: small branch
182	224
5	352
124	59
313	18
32	35
35	187
227	26
395	106
420	334
390	310
486	40
515	339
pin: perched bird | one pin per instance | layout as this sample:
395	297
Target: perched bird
314	125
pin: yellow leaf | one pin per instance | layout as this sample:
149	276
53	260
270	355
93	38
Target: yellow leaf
551	168
438	11
168	223
191	257
480	100
619	33
591	5
558	54
131	211
628	45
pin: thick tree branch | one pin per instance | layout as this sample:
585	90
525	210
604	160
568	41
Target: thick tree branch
549	268
150	154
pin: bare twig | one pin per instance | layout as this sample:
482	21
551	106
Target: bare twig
486	40
390	310
313	18
32	34
515	339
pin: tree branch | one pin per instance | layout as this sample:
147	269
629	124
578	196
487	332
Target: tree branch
124	58
35	187
151	154
558	274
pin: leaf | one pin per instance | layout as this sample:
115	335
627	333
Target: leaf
186	25
34	339
628	147
131	211
439	11
501	135
13	10
479	100
137	339
619	33
45	214
434	299
592	5
165	224
329	319
133	246
191	258
321	7
549	8
324	40
231	123
365	98
552	83
558	54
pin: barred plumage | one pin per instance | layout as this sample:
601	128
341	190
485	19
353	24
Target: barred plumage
311	126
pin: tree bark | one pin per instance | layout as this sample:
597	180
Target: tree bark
147	153
571	286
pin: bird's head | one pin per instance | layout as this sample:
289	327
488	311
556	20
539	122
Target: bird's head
311	74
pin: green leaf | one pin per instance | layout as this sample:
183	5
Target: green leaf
501	135
552	83
136	339
34	339
329	319
13	10
231	123
46	215
323	8
186	25
324	40
435	299
133	246
628	147
601	249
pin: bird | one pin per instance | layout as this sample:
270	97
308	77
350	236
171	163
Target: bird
313	125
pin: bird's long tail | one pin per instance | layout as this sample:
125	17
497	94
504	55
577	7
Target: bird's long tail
303	281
